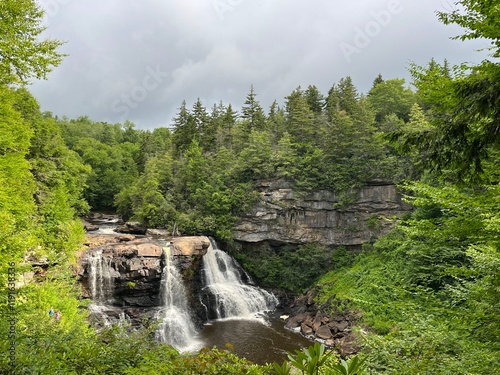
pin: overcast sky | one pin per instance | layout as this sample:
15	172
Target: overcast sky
138	59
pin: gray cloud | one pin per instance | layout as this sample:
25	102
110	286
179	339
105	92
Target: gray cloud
138	60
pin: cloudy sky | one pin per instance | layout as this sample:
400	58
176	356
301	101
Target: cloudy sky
138	59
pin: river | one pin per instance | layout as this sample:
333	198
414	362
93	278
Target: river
261	337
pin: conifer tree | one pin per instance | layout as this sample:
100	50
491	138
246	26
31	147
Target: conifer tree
252	111
314	99
184	129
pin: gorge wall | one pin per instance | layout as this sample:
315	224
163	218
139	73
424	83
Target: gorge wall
284	216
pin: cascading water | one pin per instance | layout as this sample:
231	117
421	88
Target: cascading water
100	280
101	285
230	297
177	327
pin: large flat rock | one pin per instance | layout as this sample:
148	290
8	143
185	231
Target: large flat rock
190	245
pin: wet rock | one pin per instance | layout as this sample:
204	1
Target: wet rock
136	266
295	321
89	227
306	330
132	227
333	328
323	333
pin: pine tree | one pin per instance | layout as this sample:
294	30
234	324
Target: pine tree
252	112
299	117
184	129
377	80
315	99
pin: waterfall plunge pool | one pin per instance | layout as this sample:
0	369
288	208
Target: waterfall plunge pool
263	340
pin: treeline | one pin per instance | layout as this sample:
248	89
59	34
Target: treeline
198	175
429	291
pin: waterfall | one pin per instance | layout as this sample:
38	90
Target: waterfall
101	285
230	297
100	280
177	327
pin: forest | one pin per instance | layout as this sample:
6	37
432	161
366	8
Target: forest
429	291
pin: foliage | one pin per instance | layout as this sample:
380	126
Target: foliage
436	311
391	97
314	360
292	268
480	20
310	360
22	56
353	366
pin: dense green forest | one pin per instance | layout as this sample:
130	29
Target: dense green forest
429	292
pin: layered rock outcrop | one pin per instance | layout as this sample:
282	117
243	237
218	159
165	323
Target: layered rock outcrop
135	267
284	215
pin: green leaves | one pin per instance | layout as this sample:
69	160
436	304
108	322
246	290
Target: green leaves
480	19
283	369
22	55
314	360
353	366
310	360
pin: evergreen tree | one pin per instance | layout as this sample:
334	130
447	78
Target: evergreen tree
276	121
299	118
377	80
184	129
227	123
332	103
314	99
252	112
347	96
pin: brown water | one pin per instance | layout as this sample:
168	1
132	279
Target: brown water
253	340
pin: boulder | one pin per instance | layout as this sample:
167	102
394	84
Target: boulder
339	326
323	333
149	250
317	321
132	227
190	246
306	330
158	232
349	345
89	227
295	321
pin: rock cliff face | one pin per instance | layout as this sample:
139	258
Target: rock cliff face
135	267
284	216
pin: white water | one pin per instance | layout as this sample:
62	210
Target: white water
101	282
101	287
176	327
233	298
